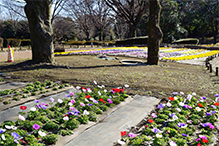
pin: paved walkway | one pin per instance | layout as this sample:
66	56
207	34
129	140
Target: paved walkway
108	131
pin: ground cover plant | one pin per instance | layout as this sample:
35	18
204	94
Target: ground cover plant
32	89
182	120
44	122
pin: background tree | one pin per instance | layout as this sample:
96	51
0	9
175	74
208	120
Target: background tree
79	12
154	32
64	28
130	11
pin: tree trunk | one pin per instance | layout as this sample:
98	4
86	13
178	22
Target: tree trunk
154	33
132	31
41	33
100	35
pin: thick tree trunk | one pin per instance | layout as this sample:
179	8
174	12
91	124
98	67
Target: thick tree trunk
39	18
100	35
154	32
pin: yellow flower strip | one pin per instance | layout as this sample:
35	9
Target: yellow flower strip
190	57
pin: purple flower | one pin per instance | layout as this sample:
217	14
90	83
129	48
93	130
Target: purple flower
203	97
172	114
204	125
185	135
15	135
156	130
37	101
75	112
216	95
36	126
160	106
213	112
67	95
95	101
44	107
38	105
175	93
90	104
2	130
208	114
181	124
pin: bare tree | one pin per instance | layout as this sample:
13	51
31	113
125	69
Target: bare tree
99	13
64	28
79	11
131	11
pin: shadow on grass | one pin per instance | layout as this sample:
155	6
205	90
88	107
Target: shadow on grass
31	65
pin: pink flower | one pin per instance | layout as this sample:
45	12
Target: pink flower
36	126
82	104
71	108
132	135
72	101
51	99
153	115
71	93
198	139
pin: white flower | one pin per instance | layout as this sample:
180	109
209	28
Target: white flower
70	104
126	85
189	121
85	112
10	127
103	86
175	98
189	97
216	99
158	135
78	87
175	117
172	143
66	118
42	133
3	137
181	104
121	142
105	90
2	130
89	90
21	118
194	94
99	86
99	93
201	100
33	109
181	93
178	109
169	104
95	82
86	100
60	101
198	109
91	99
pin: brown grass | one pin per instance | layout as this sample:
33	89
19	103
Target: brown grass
161	80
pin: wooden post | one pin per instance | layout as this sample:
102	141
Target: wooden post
206	63
216	71
210	68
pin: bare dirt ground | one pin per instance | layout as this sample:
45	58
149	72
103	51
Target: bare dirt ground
158	81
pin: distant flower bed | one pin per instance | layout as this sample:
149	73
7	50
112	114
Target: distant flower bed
180	121
44	122
166	53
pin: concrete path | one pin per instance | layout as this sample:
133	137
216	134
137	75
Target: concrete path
13	85
12	113
108	131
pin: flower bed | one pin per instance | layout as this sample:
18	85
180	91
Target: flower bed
166	53
180	121
44	122
32	89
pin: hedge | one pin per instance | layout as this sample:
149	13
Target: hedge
193	41
133	41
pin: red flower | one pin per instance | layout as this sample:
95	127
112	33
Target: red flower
104	101
216	103
200	105
101	99
150	120
171	98
205	140
198	144
88	96
121	90
83	88
38	138
23	107
146	126
123	133
66	115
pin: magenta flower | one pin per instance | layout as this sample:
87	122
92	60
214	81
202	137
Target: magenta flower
72	101
82	104
132	135
71	93
36	126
